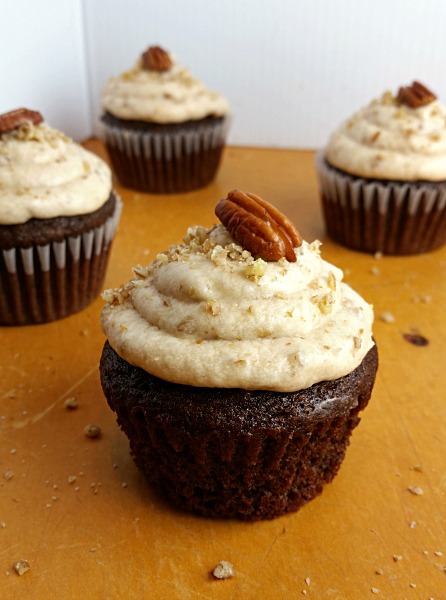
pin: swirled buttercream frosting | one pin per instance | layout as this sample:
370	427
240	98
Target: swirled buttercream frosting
170	96
44	174
206	313
390	140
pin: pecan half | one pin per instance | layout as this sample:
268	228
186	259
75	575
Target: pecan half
14	118
258	226
156	59
415	95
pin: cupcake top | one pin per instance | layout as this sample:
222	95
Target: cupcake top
157	89
44	174
396	137
212	312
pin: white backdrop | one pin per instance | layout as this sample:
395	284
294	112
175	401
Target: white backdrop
291	69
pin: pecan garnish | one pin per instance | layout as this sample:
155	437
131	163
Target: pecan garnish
258	226
156	59
415	95
14	118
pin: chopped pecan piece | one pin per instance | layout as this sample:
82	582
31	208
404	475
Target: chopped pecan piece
13	119
415	95
258	226
156	59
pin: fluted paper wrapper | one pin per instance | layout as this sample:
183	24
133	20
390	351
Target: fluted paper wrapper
158	163
388	217
40	284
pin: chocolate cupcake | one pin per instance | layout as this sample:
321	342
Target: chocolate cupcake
163	129
58	217
382	175
238	363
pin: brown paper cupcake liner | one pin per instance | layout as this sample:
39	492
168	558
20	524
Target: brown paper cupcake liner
181	160
388	217
234	453
45	283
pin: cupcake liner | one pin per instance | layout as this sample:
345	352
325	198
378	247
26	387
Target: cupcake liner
179	160
382	216
40	284
232	453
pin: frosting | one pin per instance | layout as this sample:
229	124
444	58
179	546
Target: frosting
389	140
172	96
44	174
206	313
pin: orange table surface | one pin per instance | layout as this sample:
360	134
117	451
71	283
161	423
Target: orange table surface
108	535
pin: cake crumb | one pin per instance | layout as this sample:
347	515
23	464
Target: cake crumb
387	317
378	255
438	553
21	567
92	431
416	490
374	590
375	271
416	339
307	580
412	524
413	585
379	572
397	557
224	570
2	524
71	403
71	478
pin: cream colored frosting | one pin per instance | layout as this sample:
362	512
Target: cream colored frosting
44	174
389	140
172	96
207	314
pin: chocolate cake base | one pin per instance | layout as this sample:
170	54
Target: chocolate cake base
392	217
164	158
233	453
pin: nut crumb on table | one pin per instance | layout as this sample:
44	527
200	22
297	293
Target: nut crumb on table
224	570
92	431
21	567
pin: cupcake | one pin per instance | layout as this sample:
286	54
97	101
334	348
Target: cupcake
382	175
163	129
237	364
58	217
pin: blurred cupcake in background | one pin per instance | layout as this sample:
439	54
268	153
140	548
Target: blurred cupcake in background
163	129
58	217
382	175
